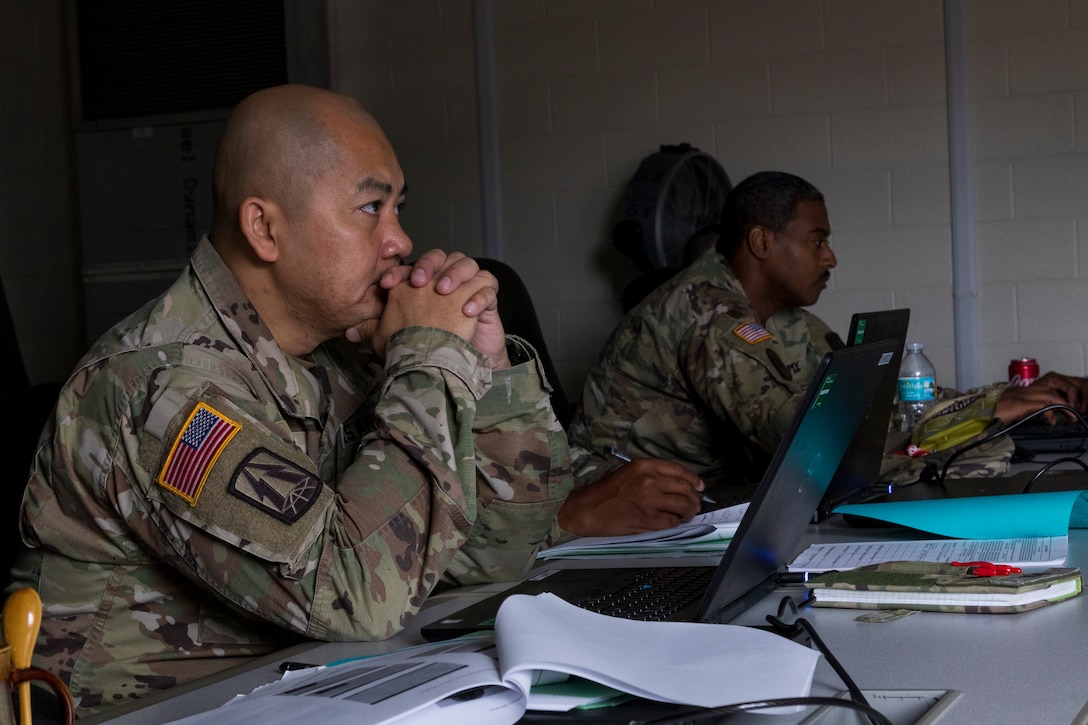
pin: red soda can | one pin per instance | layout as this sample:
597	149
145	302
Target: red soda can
1023	371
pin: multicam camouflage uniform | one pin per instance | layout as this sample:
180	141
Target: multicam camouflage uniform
690	376
202	498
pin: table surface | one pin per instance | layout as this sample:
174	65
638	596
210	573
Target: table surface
1020	668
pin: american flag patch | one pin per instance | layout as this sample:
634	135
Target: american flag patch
202	439
752	332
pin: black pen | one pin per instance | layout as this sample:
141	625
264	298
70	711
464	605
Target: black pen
620	454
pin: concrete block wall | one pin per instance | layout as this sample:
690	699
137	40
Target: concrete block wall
849	94
1030	75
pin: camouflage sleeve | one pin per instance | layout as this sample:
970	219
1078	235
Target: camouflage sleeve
524	476
469	499
588	465
748	382
462	474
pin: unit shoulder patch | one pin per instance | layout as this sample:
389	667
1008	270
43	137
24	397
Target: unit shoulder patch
275	485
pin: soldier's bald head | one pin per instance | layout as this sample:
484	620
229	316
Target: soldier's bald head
275	143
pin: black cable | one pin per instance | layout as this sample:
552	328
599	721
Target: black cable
1051	464
856	702
696	715
801	623
1043	411
1006	429
851	686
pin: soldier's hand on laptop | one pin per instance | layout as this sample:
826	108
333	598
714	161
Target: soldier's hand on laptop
1051	389
645	495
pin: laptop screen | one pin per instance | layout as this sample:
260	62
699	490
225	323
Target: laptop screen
860	466
798	475
768	536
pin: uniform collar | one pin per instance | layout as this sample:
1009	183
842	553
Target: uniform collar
303	389
718	270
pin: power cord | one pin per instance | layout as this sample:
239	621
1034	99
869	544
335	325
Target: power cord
1042	471
717	712
1042	411
856	702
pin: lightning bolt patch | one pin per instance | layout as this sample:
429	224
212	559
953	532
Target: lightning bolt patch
275	485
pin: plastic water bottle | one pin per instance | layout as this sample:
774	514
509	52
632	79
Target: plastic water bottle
917	386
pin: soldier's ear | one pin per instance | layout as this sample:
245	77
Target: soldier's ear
758	242
261	220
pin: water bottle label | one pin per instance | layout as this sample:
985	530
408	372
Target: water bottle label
911	389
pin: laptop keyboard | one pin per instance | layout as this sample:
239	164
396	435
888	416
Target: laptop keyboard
1071	428
1045	438
654	595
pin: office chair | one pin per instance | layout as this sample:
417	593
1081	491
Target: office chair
30	405
22	618
519	318
650	278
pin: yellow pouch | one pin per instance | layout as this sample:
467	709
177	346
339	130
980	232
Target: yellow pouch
954	421
953	435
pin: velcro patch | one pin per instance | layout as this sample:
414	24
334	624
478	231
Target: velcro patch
198	445
752	332
275	485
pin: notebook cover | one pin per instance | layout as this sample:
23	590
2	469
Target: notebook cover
914	580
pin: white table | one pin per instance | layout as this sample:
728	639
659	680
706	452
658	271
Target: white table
1023	668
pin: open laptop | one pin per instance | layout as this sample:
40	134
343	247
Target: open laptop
768	536
1039	436
860	468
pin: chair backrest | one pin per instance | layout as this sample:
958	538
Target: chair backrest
21	620
653	277
17	382
18	446
33	403
519	318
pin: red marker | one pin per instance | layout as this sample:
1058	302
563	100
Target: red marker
985	568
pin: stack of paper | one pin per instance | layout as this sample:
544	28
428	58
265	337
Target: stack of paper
1029	530
538	640
1029	553
710	532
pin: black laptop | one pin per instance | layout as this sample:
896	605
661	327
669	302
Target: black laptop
1038	436
767	538
858	475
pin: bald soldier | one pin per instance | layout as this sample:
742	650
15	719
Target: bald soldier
226	473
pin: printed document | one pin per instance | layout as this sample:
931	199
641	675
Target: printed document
706	533
1033	552
538	640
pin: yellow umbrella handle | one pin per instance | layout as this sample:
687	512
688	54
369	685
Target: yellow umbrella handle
22	618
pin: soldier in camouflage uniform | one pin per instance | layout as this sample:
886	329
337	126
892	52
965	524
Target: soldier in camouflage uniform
708	370
226	474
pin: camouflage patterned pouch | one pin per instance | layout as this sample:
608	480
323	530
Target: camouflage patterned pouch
956	429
